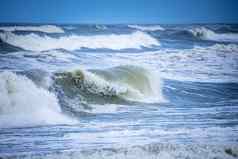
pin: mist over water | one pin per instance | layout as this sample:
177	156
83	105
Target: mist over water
119	91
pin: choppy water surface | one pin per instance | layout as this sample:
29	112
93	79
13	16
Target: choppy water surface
118	91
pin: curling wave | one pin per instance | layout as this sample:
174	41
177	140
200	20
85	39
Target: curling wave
207	34
22	103
42	28
127	82
34	42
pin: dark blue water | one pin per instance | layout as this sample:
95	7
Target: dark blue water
118	91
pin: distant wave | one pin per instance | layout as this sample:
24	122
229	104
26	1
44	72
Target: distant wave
147	28
34	42
24	103
207	34
127	82
42	28
100	27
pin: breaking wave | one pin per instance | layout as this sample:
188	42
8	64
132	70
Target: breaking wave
34	42
42	28
207	34
147	28
127	82
25	104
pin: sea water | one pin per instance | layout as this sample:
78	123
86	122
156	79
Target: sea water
118	91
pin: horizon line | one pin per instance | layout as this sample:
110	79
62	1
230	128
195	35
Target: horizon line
123	23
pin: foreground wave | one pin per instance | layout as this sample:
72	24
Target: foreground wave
25	104
128	82
28	101
35	42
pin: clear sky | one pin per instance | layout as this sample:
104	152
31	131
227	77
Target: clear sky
119	11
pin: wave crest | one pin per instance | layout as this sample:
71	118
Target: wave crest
127	82
34	42
147	28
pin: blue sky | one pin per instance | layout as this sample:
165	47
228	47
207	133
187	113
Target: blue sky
119	11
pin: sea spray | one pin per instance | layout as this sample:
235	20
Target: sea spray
23	103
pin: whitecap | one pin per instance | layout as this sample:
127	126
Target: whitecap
34	42
42	28
147	28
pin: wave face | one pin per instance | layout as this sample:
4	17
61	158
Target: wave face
34	42
22	103
207	34
147	28
42	28
127	82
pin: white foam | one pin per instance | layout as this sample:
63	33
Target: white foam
215	63
22	103
35	42
147	28
208	34
42	28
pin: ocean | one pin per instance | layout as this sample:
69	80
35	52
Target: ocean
73	91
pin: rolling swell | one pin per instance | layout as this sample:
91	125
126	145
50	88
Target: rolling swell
35	42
